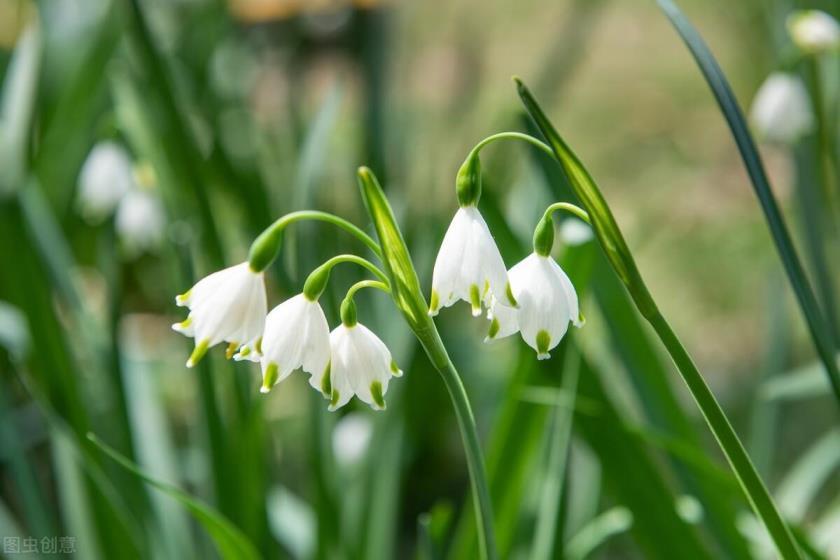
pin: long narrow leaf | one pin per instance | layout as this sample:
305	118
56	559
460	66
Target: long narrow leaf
231	543
752	160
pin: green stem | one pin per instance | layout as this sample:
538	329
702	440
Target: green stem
430	339
266	246
513	136
755	490
568	207
367	284
364	263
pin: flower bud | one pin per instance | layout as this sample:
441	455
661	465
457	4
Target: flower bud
814	31
544	236
468	181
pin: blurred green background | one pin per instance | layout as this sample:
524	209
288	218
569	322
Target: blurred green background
225	115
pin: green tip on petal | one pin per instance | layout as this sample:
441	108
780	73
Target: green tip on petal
258	345
198	352
395	369
509	295
246	350
334	398
181	299
581	320
543	342
231	350
434	303
475	300
269	377
376	393
326	382
494	328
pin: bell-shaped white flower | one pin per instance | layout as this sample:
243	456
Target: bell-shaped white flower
361	365
296	336
140	221
547	304
226	306
469	266
781	110
814	31
105	178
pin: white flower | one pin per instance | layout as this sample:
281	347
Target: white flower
140	220
105	177
228	305
814	31
351	437
547	303
781	110
296	336
468	266
361	365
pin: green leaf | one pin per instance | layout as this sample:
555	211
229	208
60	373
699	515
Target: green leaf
17	108
230	542
608	524
752	160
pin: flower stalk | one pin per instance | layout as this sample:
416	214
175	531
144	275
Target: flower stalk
621	259
408	296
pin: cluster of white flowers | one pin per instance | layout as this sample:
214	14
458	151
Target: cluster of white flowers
108	183
230	306
535	298
781	110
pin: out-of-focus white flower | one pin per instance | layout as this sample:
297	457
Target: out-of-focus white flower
361	365
575	232
105	178
296	336
228	305
547	304
814	31
469	266
781	110
351	437
140	220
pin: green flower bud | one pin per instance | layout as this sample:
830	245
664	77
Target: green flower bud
348	312
316	282
544	236
468	181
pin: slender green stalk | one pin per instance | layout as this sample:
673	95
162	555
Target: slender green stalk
367	284
621	258
568	207
733	449
265	247
513	136
434	347
408	296
364	263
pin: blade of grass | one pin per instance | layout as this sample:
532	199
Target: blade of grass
608	524
230	542
547	528
17	109
752	160
803	481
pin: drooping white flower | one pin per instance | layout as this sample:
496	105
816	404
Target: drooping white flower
469	266
140	220
361	365
781	110
814	31
226	306
547	304
296	336
105	178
